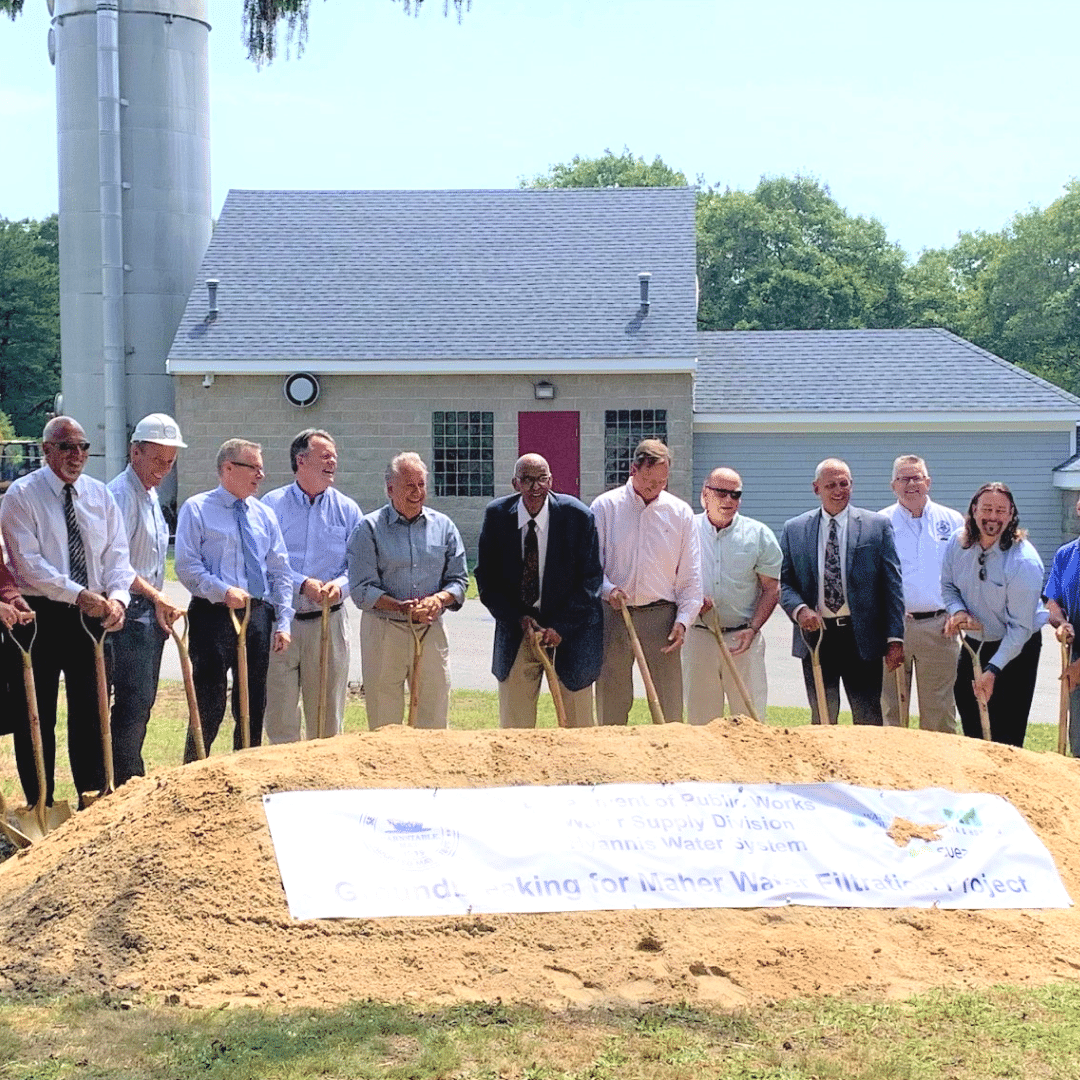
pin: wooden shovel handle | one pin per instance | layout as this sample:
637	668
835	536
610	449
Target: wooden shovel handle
819	678
194	723
655	708
541	654
241	626
324	666
728	663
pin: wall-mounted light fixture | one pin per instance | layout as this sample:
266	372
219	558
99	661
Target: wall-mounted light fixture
544	390
301	389
208	380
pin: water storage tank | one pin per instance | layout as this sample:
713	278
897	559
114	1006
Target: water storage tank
133	118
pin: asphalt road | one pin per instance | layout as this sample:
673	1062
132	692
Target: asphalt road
471	629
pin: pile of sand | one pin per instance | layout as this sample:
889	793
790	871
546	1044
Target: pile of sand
171	887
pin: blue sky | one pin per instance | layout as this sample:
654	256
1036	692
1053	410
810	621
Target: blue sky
934	117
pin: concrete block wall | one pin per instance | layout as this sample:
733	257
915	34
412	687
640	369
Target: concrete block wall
373	417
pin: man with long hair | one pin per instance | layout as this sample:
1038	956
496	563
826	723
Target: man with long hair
991	581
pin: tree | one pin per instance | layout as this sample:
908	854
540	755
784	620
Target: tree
787	256
607	171
29	321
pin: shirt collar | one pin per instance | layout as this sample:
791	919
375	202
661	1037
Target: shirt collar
841	518
392	514
226	498
57	484
541	518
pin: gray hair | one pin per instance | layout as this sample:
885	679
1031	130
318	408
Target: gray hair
831	463
231	448
908	459
401	461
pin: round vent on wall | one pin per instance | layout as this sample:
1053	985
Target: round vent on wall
301	389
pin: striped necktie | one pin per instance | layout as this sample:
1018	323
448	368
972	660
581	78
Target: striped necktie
76	551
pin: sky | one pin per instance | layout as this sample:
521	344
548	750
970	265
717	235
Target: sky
934	116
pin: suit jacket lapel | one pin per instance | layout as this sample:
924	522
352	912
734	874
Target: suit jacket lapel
854	533
814	531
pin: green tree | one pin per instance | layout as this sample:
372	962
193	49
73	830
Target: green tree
29	321
607	171
787	256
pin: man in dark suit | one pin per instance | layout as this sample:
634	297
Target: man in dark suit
841	577
539	570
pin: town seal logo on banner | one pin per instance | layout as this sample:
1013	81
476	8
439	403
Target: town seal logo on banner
410	844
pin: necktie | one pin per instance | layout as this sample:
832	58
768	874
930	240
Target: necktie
834	585
252	567
76	551
530	571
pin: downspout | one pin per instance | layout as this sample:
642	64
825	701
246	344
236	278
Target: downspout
112	235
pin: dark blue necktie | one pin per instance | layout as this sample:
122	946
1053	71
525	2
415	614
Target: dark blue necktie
256	583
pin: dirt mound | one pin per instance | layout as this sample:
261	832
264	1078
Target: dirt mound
171	885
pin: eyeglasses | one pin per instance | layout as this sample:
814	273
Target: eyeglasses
918	478
70	447
534	481
731	493
258	469
982	565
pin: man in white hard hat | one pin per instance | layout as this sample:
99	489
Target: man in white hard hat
134	653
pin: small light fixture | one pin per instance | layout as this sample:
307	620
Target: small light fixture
544	390
208	380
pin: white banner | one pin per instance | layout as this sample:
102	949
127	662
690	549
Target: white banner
377	852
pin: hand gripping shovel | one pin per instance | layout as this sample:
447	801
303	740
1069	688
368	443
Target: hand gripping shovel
646	676
541	654
977	670
1063	701
241	625
35	822
88	798
727	664
419	632
194	724
324	666
819	679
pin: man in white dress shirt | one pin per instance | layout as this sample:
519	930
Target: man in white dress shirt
134	653
921	529
649	550
69	554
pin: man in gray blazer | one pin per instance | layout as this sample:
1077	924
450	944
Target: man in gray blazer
841	578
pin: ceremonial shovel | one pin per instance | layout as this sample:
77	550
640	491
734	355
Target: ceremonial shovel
646	677
324	665
903	695
194	725
241	626
419	632
1063	700
34	822
819	679
541	654
976	668
90	797
728	663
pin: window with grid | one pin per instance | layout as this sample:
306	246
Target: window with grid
463	453
623	430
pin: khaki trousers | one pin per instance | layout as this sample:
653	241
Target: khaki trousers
702	680
519	691
615	687
294	675
932	656
386	659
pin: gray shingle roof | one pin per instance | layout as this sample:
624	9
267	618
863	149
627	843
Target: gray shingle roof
843	371
429	275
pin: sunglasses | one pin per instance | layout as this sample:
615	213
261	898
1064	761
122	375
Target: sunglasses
71	447
731	493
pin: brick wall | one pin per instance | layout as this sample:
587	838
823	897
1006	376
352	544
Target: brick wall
373	417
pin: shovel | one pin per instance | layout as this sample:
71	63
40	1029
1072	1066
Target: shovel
728	664
324	665
1063	702
88	798
976	667
419	632
194	724
35	822
819	679
541	654
646	677
241	625
903	697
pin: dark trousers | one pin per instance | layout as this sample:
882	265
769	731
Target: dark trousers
213	656
61	646
134	662
840	661
1014	688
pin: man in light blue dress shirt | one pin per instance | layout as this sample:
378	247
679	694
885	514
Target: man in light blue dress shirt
406	562
229	550
134	652
316	522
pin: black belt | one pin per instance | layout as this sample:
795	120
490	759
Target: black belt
303	616
724	629
918	616
654	603
840	620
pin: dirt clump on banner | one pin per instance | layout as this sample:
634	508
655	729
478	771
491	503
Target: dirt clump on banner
170	887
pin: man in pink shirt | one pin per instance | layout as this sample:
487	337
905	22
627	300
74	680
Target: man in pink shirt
649	549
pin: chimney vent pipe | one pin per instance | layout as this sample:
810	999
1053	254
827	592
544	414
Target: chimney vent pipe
643	282
211	288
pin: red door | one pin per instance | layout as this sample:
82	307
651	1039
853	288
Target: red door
555	436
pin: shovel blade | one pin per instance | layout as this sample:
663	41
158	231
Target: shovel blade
25	819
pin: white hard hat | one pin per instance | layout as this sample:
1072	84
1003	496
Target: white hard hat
158	428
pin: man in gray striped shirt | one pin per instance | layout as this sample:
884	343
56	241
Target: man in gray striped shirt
134	652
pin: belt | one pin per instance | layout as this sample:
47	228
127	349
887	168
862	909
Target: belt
918	616
303	616
840	620
654	603
723	629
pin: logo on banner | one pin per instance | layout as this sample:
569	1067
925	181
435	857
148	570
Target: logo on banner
411	844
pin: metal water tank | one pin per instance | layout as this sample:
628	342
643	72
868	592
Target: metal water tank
133	119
